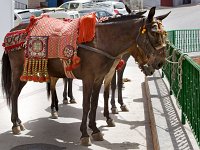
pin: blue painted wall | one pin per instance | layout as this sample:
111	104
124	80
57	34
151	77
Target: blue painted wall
53	3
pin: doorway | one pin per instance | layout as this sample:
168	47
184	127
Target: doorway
186	1
166	3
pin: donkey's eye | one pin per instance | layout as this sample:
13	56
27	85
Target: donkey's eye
154	28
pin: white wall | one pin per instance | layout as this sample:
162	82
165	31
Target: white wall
23	1
195	1
151	3
6	18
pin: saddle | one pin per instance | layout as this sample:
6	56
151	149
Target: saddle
47	38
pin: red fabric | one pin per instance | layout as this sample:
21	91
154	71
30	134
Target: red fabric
87	28
14	39
120	64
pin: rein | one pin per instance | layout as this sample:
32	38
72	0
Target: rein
101	52
96	51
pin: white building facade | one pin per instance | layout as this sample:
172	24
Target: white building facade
7	21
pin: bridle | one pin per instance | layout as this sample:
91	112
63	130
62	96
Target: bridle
143	53
144	31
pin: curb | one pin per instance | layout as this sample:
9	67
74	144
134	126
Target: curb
151	117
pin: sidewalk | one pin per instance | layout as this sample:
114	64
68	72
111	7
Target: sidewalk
132	129
168	131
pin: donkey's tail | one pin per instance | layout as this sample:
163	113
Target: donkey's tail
6	77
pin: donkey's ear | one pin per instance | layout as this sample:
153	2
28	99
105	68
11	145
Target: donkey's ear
151	14
163	16
128	9
141	13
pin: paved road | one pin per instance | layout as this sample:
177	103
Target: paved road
182	17
131	131
132	128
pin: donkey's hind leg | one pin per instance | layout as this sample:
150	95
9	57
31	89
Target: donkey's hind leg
109	120
16	88
70	92
120	84
65	99
113	88
68	84
54	98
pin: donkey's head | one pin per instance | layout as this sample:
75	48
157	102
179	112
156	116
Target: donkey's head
151	39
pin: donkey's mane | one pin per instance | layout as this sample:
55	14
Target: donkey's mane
122	18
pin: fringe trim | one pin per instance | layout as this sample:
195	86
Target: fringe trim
35	70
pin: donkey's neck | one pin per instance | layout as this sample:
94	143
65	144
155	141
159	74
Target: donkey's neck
117	37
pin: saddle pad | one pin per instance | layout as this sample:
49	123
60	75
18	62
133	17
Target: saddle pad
62	36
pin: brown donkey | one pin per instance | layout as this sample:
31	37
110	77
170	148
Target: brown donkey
98	62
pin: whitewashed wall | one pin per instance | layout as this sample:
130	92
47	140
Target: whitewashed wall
195	1
6	19
151	3
23	1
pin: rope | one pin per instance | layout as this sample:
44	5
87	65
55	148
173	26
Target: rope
180	68
173	60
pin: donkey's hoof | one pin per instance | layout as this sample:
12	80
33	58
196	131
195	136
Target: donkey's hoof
85	141
22	127
124	108
110	123
72	101
16	130
54	115
97	136
65	101
114	110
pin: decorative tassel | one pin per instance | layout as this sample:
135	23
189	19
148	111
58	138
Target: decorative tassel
24	75
68	68
87	28
45	70
29	70
120	64
76	59
35	75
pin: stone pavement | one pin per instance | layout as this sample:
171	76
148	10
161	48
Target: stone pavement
132	129
152	123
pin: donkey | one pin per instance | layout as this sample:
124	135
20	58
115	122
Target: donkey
99	58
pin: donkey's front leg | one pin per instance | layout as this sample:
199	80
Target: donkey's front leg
87	91
96	134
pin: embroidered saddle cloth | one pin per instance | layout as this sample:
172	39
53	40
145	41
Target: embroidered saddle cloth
55	36
48	38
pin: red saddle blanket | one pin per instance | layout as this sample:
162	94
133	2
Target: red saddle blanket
50	38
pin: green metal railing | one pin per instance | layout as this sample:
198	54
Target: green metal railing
184	80
186	40
183	75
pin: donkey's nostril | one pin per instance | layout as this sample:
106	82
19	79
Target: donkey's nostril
160	65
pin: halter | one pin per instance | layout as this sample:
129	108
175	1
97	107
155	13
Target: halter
147	40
